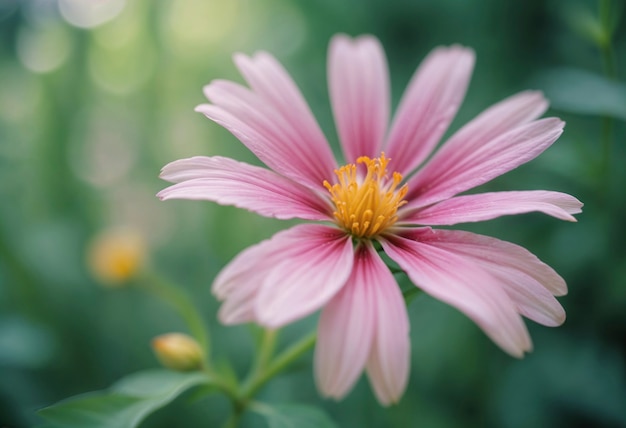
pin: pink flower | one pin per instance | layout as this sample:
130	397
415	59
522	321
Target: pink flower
390	191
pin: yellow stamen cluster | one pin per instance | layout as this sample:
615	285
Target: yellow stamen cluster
366	206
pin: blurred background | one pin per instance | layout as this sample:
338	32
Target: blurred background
97	95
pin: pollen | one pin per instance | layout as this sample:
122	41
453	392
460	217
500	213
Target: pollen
366	202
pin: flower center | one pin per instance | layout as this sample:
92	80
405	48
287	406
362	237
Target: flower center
366	205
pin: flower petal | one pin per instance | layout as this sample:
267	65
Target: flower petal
492	252
497	141
389	360
314	264
267	77
275	88
429	105
238	308
533	300
286	277
229	182
528	281
453	279
365	321
238	283
347	328
485	206
273	138
359	92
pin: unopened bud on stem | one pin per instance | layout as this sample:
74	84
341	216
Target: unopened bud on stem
178	352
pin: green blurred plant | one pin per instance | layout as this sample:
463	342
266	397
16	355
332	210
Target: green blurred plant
88	115
118	257
133	398
589	94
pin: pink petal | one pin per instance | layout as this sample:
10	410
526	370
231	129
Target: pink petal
254	263
497	141
497	120
485	206
277	92
347	328
429	105
238	283
359	92
388	364
229	182
453	279
365	321
315	266
529	282
286	277
272	83
533	300
270	135
238	308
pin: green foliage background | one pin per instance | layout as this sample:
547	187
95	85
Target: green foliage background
89	115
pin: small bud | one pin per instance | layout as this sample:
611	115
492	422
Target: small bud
178	351
116	255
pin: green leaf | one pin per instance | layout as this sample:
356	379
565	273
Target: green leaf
294	416
126	404
579	91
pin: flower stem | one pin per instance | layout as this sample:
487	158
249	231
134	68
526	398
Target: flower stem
608	57
265	353
263	369
268	344
183	304
278	364
233	420
610	70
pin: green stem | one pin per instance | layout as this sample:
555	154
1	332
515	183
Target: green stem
268	344
183	304
279	364
265	353
233	420
608	57
610	70
262	371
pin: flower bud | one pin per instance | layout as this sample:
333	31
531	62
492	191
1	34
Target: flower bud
116	255
178	351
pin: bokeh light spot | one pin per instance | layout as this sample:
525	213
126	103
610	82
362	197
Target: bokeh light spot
90	13
44	49
193	26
